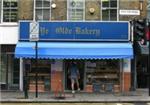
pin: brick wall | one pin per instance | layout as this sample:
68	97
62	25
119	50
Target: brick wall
132	5
56	80
60	12
126	81
25	9
95	4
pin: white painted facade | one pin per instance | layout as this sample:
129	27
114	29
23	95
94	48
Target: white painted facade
127	65
9	33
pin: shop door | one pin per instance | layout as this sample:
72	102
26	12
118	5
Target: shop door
80	65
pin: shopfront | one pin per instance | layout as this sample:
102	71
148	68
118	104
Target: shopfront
9	68
102	51
96	75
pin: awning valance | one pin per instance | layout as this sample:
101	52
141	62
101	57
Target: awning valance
74	50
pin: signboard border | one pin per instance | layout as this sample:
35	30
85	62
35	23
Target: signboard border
79	40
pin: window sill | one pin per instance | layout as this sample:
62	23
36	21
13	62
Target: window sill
11	24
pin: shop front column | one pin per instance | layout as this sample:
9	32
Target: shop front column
21	75
57	75
126	75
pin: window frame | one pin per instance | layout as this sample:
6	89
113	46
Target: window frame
69	9
2	14
109	9
35	8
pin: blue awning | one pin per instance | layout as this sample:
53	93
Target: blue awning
74	50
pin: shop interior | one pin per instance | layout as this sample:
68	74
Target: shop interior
80	66
96	75
44	74
142	71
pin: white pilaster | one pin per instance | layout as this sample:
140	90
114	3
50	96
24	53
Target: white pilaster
127	65
21	75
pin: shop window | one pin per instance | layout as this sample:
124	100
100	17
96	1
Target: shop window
10	9
76	9
44	74
42	10
109	10
9	71
3	67
16	71
102	75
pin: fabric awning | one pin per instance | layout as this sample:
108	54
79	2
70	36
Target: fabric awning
74	50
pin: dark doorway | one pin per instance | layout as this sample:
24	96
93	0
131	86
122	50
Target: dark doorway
142	72
80	65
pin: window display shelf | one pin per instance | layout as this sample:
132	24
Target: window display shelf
102	75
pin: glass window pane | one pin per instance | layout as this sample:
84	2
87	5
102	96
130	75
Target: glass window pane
3	66
79	4
105	14
105	3
10	11
13	4
113	14
38	3
76	10
46	14
6	4
42	9
15	71
39	15
6	15
46	3
113	3
13	15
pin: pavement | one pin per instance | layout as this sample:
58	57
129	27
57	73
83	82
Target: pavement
140	96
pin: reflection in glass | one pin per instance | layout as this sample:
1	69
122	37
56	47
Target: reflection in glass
76	10
10	11
46	14
113	14
113	3
105	3
109	10
42	11
105	15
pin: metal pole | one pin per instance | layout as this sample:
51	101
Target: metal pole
36	73
26	84
133	61
149	65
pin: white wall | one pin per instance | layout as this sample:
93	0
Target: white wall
127	65
8	34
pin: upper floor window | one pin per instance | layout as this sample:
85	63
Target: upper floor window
10	9
76	9
42	9
109	10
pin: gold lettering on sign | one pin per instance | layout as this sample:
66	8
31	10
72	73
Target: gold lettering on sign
43	31
63	30
86	31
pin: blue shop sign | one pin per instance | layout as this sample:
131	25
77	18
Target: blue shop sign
78	31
